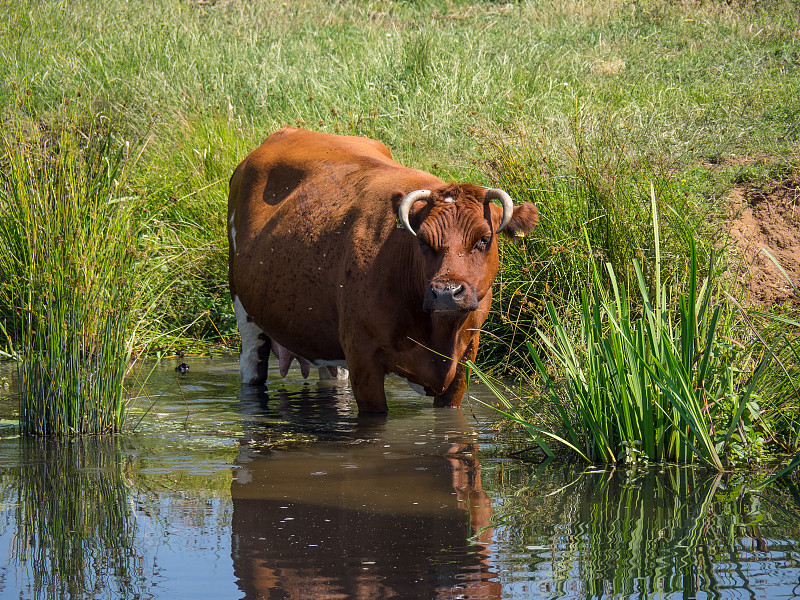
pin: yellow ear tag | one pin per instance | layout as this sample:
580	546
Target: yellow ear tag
519	234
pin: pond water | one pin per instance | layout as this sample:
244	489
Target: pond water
285	492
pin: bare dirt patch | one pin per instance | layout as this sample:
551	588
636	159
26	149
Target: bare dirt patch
768	217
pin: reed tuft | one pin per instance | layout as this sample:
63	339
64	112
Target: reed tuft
70	270
648	377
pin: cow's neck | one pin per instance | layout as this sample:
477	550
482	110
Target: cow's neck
445	335
437	340
445	341
443	348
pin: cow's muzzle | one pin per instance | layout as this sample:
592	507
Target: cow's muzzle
450	297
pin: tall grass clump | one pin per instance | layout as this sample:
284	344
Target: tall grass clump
72	278
588	182
650	376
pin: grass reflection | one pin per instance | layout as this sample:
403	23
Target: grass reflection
678	531
74	528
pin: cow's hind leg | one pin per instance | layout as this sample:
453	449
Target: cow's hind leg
253	361
333	374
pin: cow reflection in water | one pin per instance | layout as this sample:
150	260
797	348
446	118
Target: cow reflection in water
371	509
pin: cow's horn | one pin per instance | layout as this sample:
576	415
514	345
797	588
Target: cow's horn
405	206
508	206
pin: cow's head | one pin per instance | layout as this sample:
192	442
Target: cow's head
456	227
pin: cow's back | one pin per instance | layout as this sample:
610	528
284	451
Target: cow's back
290	159
308	215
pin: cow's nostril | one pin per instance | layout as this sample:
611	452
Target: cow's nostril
448	296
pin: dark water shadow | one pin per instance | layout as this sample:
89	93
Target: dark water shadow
370	509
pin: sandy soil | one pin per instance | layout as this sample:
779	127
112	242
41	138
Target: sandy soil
768	217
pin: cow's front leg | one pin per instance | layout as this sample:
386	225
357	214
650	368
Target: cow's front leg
454	394
368	389
366	379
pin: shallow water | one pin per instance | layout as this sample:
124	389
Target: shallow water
285	492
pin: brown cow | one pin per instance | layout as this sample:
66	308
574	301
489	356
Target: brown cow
342	256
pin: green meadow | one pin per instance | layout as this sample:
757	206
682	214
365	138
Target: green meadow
629	124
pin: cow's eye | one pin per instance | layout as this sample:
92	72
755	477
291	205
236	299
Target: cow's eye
483	243
423	245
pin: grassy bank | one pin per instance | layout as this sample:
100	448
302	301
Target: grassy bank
577	106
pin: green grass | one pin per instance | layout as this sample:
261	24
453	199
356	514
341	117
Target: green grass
436	81
577	106
597	190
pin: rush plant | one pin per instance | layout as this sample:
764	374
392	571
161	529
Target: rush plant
71	277
652	379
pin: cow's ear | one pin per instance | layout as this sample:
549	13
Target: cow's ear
524	219
415	213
